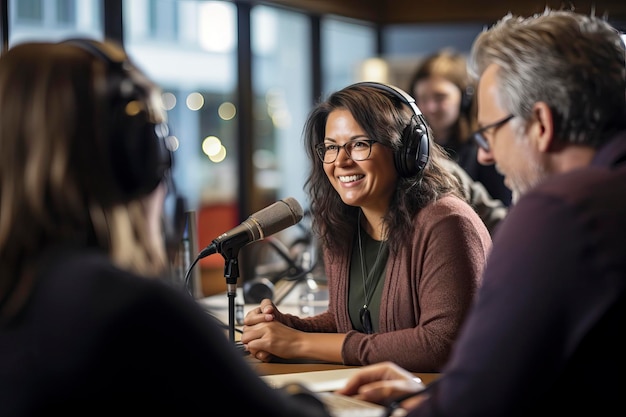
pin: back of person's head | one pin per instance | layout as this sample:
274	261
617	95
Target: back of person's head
389	115
80	152
573	62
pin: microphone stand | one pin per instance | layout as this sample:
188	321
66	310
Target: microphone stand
231	273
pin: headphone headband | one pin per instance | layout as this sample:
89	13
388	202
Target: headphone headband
413	155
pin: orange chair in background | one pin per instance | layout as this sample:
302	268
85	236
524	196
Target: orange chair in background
213	220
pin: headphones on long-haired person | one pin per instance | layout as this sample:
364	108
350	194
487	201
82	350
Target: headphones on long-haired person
467	100
138	149
412	157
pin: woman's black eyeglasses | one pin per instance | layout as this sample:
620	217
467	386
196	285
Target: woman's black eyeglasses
479	135
357	150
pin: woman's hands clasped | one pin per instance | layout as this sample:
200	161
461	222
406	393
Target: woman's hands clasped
264	336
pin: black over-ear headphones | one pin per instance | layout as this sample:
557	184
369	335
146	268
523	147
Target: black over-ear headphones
412	157
138	148
467	98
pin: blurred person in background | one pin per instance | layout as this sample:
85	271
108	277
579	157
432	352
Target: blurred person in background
445	94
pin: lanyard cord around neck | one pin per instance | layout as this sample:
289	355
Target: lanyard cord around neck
367	277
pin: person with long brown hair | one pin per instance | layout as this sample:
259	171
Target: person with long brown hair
403	251
88	324
444	91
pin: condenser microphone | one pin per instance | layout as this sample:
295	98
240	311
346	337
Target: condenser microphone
272	219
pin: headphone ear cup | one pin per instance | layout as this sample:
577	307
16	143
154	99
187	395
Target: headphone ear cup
411	158
139	156
467	99
138	153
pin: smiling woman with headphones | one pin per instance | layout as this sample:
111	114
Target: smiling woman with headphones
86	325
402	250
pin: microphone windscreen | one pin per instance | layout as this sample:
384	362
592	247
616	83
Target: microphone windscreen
279	216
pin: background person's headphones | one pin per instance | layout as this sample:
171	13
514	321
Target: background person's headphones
467	100
412	157
140	158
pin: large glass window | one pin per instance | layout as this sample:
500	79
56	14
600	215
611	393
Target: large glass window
29	10
195	63
189	48
66	12
346	46
53	19
162	19
281	80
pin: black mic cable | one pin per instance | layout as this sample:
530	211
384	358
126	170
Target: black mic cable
174	209
188	275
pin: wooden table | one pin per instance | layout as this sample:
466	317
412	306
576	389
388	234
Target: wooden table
287	367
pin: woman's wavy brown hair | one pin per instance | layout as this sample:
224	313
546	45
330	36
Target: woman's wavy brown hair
383	117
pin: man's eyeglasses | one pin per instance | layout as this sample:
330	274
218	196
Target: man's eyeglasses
357	150
479	135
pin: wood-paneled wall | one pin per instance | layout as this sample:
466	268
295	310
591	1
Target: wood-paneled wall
447	11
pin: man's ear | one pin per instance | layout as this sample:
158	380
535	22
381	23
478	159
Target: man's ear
542	129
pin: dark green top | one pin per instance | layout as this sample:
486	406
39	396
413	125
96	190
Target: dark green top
374	282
